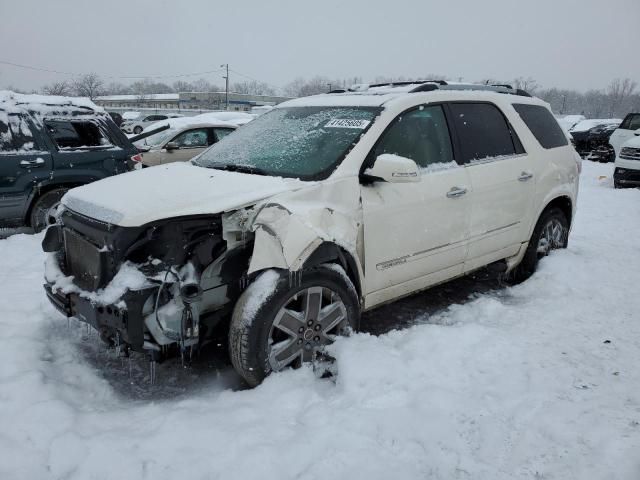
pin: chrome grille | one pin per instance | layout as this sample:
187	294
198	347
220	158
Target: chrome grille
630	153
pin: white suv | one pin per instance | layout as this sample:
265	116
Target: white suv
279	236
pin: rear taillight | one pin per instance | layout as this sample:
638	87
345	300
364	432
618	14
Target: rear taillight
137	157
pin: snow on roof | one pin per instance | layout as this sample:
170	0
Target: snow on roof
585	125
43	103
377	96
152	96
211	119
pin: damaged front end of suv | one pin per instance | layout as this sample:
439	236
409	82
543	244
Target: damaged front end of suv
160	289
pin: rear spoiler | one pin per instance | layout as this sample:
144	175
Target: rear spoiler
149	133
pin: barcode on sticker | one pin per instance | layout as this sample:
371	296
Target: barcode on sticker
347	123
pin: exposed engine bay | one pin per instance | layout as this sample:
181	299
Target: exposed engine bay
152	289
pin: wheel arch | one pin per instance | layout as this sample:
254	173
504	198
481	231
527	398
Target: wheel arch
42	189
329	252
564	204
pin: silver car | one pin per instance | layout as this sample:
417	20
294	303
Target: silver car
181	143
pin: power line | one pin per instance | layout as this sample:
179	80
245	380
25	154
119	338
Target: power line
129	77
255	80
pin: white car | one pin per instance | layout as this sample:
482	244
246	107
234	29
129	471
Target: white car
184	140
627	166
278	237
629	126
136	126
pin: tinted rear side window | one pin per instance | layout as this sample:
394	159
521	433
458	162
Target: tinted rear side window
483	132
542	124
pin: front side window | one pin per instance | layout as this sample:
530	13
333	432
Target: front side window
76	134
301	142
192	139
421	135
15	133
542	124
483	132
631	122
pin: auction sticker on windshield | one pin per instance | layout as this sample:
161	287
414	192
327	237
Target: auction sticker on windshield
347	123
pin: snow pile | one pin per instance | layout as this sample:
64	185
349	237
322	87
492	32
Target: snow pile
537	381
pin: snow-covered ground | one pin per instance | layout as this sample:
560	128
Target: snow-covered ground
540	381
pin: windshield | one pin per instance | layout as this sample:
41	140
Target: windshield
301	142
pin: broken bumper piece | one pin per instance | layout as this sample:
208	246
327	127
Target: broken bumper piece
124	320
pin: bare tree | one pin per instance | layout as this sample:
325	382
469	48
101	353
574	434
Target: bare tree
181	86
57	88
253	88
618	92
89	85
528	84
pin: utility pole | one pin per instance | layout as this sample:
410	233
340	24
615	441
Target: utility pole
226	90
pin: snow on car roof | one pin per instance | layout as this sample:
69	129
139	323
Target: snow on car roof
378	96
12	101
585	125
211	119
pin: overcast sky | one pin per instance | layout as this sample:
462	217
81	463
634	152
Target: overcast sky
578	44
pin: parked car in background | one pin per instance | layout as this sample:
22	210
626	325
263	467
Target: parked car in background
591	138
629	126
627	167
48	145
567	122
138	125
279	236
185	138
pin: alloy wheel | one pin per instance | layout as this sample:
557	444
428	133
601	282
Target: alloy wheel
309	320
553	236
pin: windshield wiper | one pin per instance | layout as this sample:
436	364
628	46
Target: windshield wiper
241	169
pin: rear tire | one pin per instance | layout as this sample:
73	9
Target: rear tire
278	323
551	233
44	209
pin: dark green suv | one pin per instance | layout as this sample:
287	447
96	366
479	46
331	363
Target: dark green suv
49	145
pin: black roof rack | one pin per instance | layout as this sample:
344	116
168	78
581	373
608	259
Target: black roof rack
431	85
404	83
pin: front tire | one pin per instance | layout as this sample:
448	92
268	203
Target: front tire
551	233
44	209
137	130
279	323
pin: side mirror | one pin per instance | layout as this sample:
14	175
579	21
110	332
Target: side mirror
393	169
171	146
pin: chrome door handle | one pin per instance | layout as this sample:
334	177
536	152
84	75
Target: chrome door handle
456	192
524	176
32	163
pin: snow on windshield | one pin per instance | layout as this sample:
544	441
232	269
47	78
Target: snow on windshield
293	142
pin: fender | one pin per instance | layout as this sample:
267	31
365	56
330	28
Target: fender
290	228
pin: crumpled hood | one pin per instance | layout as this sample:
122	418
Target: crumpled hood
173	190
